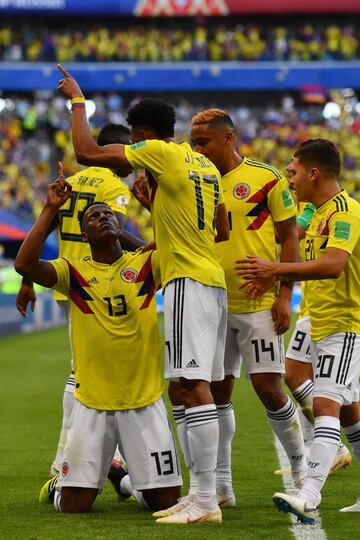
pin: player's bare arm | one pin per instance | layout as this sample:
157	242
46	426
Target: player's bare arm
26	294
286	232
87	151
222	224
329	266
28	262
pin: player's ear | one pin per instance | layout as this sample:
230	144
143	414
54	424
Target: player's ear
84	237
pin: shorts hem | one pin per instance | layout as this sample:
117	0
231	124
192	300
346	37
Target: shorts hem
297	359
193	376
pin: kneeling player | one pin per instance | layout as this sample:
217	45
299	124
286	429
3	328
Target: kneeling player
115	340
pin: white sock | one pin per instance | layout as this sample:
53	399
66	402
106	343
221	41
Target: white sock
304	396
286	426
182	433
353	436
226	434
322	454
140	499
68	405
307	428
203	437
57	501
125	486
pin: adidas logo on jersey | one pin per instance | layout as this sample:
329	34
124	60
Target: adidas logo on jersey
93	280
192	364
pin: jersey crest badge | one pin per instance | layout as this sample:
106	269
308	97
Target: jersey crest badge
320	227
65	468
241	191
129	275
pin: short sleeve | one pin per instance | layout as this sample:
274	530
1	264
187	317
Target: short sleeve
63	280
117	196
149	155
344	231
280	201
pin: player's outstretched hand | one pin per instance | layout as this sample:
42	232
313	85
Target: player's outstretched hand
255	267
68	86
25	296
59	191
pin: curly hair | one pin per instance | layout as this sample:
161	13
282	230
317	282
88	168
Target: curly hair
155	114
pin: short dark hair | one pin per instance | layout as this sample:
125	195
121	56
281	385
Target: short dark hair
321	153
113	133
82	213
155	114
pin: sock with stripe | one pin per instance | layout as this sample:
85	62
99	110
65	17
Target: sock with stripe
57	501
203	436
182	433
304	396
322	454
226	433
353	436
286	426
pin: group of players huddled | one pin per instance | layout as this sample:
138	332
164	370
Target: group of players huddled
214	214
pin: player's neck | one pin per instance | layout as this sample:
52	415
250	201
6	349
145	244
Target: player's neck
328	190
232	162
106	253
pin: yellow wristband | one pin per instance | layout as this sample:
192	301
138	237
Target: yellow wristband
77	100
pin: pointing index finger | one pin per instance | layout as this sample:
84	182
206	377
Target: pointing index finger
63	70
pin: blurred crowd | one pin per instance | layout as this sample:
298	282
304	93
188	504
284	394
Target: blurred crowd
149	41
35	134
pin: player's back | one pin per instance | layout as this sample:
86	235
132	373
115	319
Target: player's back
185	193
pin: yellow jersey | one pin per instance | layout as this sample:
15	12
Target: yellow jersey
334	304
256	196
184	189
305	212
93	184
114	331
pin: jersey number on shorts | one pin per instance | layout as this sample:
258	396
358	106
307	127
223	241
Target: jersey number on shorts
324	366
264	349
164	462
206	179
88	198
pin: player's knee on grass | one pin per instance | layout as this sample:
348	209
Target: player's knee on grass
161	498
269	389
75	500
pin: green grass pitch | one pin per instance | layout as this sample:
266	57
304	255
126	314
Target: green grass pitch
33	373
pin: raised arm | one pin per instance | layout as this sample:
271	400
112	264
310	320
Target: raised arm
87	151
28	262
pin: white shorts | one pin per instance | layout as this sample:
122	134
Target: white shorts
195	330
299	344
144	437
251	337
336	365
64	305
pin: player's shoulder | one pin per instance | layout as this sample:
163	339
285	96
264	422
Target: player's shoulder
344	204
266	170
